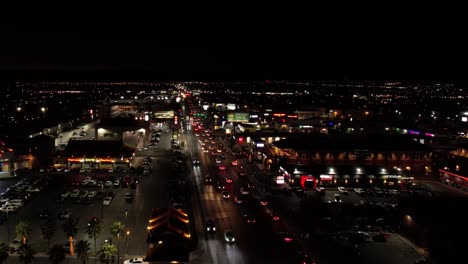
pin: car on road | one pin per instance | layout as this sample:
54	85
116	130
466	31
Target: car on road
135	261
221	186
229	236
235	163
107	200
286	237
92	194
239	199
264	201
218	161
129	197
108	184
210	226
196	161
229	180
250	219
337	198
208	180
244	190
342	190
45	213
226	195
222	167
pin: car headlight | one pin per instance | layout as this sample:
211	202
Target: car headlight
214	228
207	229
233	239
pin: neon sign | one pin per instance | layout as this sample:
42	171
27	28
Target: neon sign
75	160
308	181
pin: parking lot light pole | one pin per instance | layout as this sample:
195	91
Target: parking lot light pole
126	231
8	225
126	242
102	203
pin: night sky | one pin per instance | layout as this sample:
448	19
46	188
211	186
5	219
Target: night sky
419	51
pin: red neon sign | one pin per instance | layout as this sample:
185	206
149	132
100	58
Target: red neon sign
308	179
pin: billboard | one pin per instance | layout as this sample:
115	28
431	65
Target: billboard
163	114
238	117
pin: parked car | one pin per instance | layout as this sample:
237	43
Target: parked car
135	261
320	190
342	190
65	214
107	200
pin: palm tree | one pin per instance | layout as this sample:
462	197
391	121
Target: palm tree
3	252
94	230
48	229
23	229
26	253
57	254
117	229
107	253
70	229
83	247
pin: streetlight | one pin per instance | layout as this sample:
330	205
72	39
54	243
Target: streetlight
118	247
126	242
8	225
126	231
102	203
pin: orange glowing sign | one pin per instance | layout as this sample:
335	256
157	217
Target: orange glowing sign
106	160
75	160
279	115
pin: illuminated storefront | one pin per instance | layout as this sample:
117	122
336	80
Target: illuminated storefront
97	163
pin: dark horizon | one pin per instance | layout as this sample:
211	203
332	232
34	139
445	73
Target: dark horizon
110	54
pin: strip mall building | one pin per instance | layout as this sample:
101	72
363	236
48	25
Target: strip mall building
348	160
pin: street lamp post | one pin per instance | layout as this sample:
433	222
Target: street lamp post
8	225
118	247
126	242
126	231
102	202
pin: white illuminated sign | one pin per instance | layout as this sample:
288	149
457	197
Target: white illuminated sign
280	180
231	107
325	177
260	145
464	119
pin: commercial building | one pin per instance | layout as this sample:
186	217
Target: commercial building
348	159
